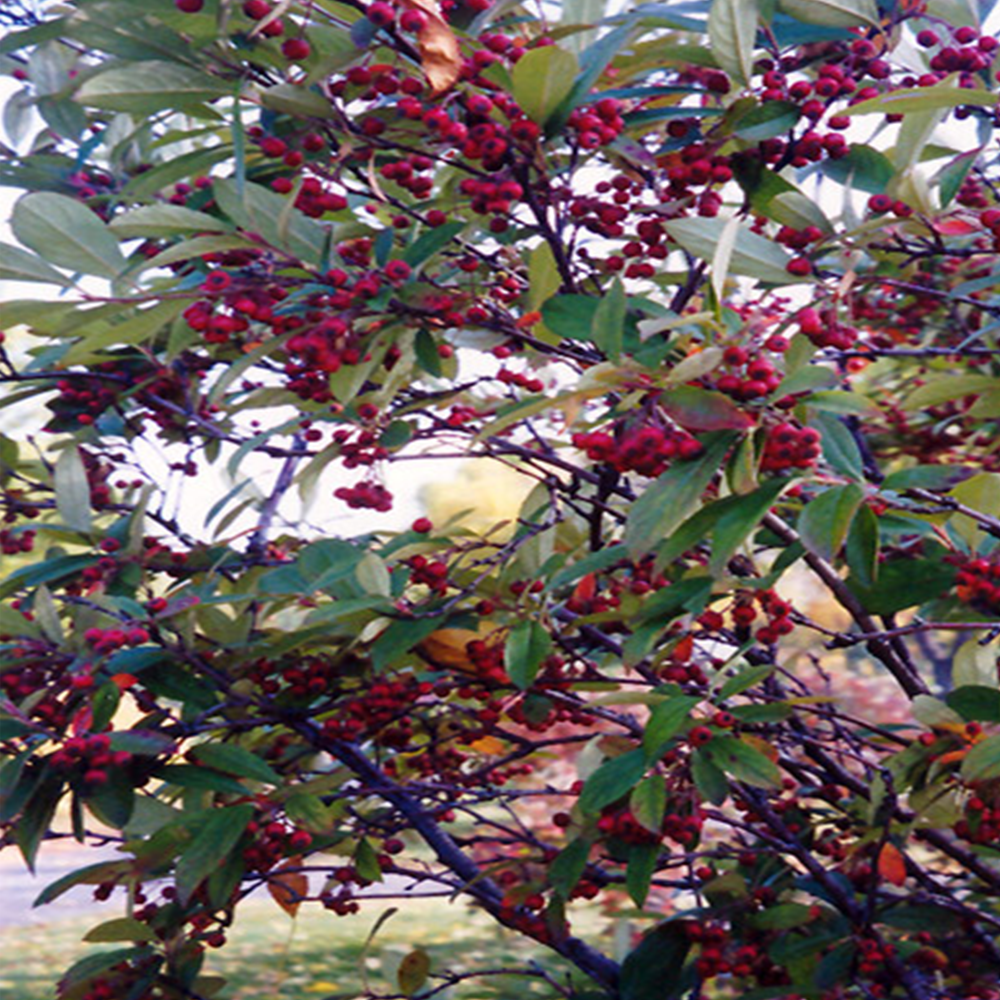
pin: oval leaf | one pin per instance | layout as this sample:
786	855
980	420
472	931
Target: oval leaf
67	234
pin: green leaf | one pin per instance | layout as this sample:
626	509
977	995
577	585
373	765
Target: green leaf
571	315
982	762
904	583
863	168
825	520
72	490
742	762
766	121
166	220
782	917
732	32
593	61
295	100
951	177
112	803
745	679
910	99
862	546
528	644
102	871
150	87
120	929
654	970
648	803
975	664
543	79
614	779
833	13
697	409
191	776
430	242
753	256
19	265
232	759
66	233
37	816
568	866
214	841
665	721
674	496
840	450
975	702
741	518
366	861
608	325
925	477
274	217
708	779
642	861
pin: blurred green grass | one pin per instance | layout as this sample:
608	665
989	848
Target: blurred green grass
271	957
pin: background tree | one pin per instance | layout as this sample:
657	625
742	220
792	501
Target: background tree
731	308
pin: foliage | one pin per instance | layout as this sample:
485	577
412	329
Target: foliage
714	279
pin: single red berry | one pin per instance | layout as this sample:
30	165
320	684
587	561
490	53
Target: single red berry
699	736
295	49
189	6
800	267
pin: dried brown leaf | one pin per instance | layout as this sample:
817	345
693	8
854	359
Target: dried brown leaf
439	50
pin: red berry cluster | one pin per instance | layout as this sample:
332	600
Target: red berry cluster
380	712
789	447
365	495
305	677
748	375
107	640
644	448
978	584
981	822
823	328
86	760
520	379
431	573
744	614
273	841
618	823
720	956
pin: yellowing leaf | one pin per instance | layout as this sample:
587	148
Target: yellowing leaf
439	51
767	749
413	971
488	745
446	648
288	888
892	864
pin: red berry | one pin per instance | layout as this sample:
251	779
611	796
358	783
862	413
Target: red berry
800	267
295	49
189	6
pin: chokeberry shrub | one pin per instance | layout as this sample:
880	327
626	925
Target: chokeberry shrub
717	279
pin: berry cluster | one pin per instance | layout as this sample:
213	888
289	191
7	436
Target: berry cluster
978	584
380	712
431	573
272	842
981	822
748	376
365	495
87	760
789	447
647	449
823	328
